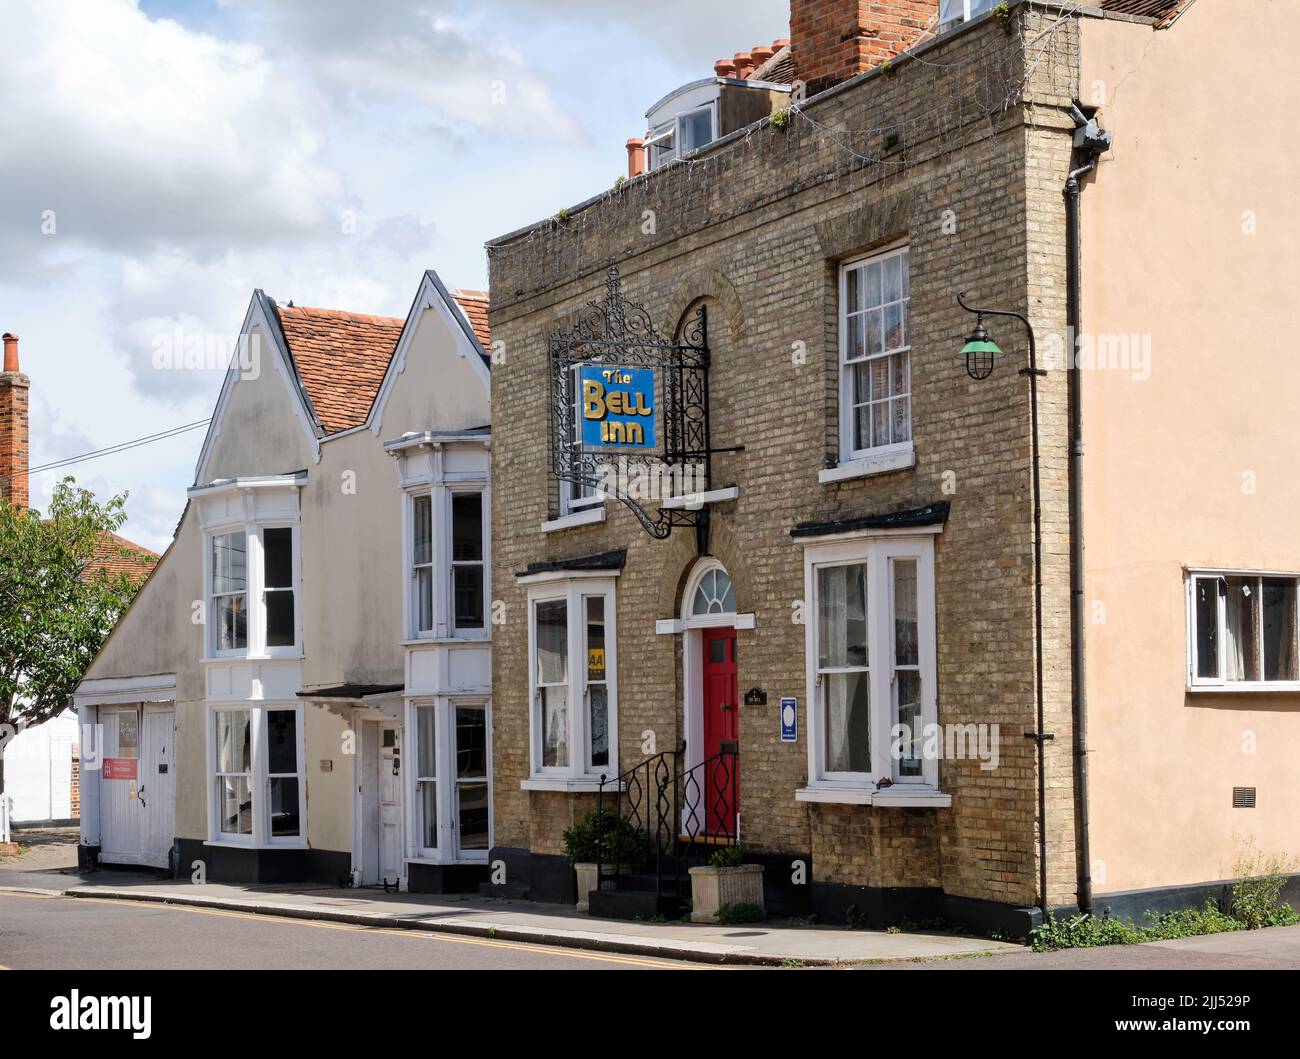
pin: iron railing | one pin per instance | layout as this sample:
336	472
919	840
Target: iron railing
684	815
641	794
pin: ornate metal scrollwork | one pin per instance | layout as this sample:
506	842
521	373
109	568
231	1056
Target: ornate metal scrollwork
617	333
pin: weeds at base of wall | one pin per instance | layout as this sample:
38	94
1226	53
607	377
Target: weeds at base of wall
1088	931
741	913
1255	902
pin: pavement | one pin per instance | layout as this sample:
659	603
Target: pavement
40	932
48	870
771	943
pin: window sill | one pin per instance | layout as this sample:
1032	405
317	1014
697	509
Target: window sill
235	659
567	784
442	641
695	501
583	517
439	862
865	466
254	845
1287	687
889	798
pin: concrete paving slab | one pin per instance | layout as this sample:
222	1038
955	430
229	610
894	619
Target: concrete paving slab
774	943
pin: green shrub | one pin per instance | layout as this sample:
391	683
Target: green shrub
606	837
781	119
741	913
727	857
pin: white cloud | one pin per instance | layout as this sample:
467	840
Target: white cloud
139	133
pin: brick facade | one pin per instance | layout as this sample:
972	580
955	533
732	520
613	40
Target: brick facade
14	387
833	40
757	228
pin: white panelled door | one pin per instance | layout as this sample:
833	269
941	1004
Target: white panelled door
390	801
137	780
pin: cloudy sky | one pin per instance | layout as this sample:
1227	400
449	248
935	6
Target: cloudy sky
159	159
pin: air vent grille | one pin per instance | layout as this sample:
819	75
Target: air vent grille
1243	797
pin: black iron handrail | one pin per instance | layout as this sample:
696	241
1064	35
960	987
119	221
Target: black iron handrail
650	808
709	815
680	812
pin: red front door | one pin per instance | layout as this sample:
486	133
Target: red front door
721	780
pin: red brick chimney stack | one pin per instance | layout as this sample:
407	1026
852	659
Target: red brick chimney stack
833	40
13	426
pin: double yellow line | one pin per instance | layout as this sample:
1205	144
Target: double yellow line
456	939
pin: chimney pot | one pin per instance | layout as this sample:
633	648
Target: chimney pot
724	68
11	351
635	157
761	54
744	64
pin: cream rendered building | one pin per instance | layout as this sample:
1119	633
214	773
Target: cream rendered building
1190	264
302	689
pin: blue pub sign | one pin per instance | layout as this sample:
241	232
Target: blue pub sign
618	406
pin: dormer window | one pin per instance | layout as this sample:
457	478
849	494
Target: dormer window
682	134
952	12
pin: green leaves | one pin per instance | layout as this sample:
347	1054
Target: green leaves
56	608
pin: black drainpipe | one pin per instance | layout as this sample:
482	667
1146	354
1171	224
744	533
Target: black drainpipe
1090	141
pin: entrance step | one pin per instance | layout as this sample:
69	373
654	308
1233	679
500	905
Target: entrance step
633	904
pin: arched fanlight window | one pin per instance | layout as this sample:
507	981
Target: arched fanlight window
713	595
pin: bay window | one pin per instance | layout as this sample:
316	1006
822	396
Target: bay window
257	563
1242	631
875	387
451	815
447	561
256	755
573	696
870	641
230	590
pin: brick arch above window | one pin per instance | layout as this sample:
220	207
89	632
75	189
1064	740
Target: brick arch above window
862	230
712	285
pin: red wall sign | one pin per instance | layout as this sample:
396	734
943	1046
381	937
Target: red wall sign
118	768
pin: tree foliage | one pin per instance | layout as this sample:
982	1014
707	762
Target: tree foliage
55	608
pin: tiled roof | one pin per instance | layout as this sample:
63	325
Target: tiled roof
474	304
778	70
1163	10
341	358
117	555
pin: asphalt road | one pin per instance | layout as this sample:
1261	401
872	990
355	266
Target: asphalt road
62	933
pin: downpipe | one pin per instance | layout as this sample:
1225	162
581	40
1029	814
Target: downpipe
1090	142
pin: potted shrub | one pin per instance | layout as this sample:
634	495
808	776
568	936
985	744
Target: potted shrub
605	837
726	887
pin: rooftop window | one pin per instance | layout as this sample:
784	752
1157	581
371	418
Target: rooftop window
952	12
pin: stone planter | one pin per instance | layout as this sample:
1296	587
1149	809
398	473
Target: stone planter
586	874
714	888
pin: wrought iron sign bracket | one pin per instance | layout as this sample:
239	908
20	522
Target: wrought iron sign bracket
629	411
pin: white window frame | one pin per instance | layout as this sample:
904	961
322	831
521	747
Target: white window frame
959	11
574	591
254	591
446	782
259	777
872	458
572	497
877	553
444	608
418	631
1218	682
485	606
674	128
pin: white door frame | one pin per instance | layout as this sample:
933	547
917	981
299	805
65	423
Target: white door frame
140	856
361	716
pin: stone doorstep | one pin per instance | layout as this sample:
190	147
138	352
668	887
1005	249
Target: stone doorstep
638	945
